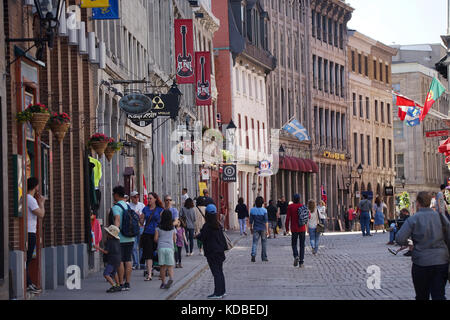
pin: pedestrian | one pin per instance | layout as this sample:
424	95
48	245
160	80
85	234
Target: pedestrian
126	243
430	255
365	207
259	227
441	203
199	222
283	205
113	256
168	202
242	211
166	237
395	226
35	211
273	215
322	207
379	215
184	195
211	235
351	217
150	218
137	207
298	233
206	198
312	226
223	213
181	239
345	215
187	213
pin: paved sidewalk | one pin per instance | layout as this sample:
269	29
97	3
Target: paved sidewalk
95	286
337	272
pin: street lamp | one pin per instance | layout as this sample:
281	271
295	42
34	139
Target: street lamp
359	170
253	186
282	153
403	180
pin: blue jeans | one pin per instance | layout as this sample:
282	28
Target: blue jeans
137	252
393	232
256	235
190	238
365	223
242	225
314	239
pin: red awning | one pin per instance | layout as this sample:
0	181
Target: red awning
287	164
298	164
314	166
301	164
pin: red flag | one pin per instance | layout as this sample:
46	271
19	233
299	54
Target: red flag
323	193
184	50
162	159
145	192
203	78
403	104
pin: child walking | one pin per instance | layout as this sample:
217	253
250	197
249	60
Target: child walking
166	237
181	238
113	257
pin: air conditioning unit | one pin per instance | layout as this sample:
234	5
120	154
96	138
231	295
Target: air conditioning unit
102	55
73	37
92	50
63	21
82	38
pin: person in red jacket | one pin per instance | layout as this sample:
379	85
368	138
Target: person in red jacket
298	233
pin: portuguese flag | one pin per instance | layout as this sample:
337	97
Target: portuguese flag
436	89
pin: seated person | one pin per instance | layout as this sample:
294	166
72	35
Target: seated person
395	226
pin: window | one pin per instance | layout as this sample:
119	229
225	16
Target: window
244	82
321	127
342	81
330	31
335	34
396	87
331	78
247	142
250	92
367	108
369	154
361	106
259	136
377	151
375	69
353	61
341	36
359	63
314	71
366	66
384	152
387	73
318	23
389	113
313	19
382	111
240	129
320	73
253	135
236	71
362	148
327	127
324	28
355	147
381	71
325	75
376	110
390	153
400	165
398	130
354	103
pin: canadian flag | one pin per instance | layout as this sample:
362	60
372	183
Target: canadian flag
145	192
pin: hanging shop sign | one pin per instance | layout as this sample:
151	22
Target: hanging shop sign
203	78
265	168
229	173
107	13
333	155
184	51
135	103
205	174
437	133
388	191
94	3
163	105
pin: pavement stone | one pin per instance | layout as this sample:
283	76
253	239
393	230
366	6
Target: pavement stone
94	286
337	272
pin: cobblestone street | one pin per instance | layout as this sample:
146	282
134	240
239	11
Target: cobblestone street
338	271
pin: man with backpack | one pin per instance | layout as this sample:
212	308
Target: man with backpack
296	221
128	222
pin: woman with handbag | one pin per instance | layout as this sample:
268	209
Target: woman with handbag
187	218
315	227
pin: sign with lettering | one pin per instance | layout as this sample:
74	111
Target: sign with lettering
135	103
203	78
164	105
107	13
437	133
229	173
184	51
94	3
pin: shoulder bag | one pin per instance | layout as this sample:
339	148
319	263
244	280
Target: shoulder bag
228	243
445	232
320	226
183	218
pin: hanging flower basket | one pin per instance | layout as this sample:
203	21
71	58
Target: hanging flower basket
37	115
112	148
59	124
98	142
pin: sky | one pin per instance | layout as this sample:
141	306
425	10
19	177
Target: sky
400	21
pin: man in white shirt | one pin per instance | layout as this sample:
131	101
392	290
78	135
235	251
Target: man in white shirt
184	196
137	207
35	210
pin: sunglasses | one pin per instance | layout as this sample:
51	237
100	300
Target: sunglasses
168	200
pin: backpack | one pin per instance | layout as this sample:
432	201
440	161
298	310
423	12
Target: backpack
130	221
303	216
183	219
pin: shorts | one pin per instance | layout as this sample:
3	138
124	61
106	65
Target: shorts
148	246
110	270
166	257
126	250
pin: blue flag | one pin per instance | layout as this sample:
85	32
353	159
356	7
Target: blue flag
296	129
412	116
107	13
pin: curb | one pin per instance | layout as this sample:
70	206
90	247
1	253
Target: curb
196	274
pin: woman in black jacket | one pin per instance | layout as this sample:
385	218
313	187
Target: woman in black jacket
214	244
242	211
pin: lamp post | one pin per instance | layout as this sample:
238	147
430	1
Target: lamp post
403	180
49	12
282	153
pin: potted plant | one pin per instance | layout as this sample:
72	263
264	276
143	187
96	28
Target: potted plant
37	114
59	124
98	142
112	148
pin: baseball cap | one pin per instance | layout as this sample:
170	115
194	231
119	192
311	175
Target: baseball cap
210	208
134	193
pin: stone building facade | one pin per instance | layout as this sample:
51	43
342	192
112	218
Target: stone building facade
371	118
416	156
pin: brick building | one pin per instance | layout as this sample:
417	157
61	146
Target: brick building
371	117
64	81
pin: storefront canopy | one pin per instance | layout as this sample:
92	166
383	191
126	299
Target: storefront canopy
298	164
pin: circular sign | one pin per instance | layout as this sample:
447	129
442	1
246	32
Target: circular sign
136	103
229	171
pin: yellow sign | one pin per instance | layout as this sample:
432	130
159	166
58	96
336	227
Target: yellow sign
333	155
94	3
202	186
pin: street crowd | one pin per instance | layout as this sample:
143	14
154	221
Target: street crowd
152	237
